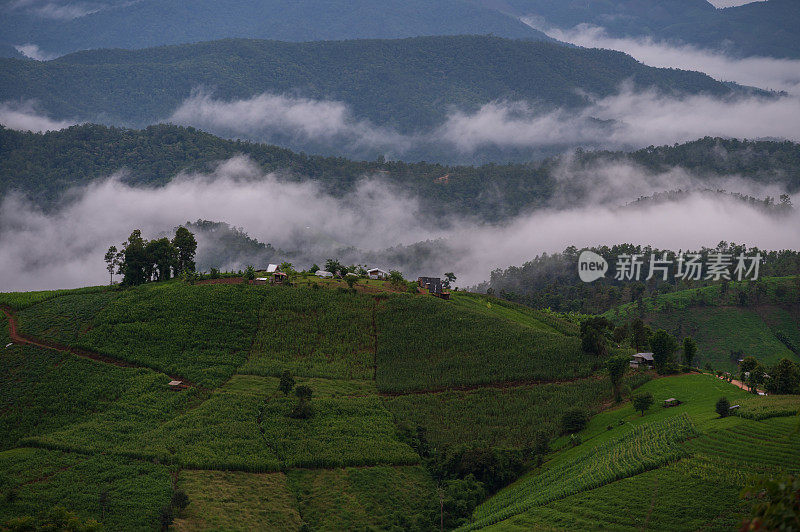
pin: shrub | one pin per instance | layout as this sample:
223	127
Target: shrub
287	382
642	402
180	500
723	407
165	517
574	420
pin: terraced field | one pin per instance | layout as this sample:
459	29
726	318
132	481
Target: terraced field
679	468
462	371
428	344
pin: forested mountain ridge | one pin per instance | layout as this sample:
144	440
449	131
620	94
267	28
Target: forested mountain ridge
44	166
407	84
148	23
754	29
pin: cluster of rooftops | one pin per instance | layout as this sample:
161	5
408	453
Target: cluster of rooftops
433	285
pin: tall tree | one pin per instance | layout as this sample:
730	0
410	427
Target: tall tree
186	247
641	334
689	350
664	346
135	263
616	367
162	257
113	260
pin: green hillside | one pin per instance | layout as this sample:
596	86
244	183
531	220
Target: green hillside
754	29
410	393
94	393
760	319
679	468
34	164
407	84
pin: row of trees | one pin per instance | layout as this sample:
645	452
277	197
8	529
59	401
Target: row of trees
781	378
598	332
140	260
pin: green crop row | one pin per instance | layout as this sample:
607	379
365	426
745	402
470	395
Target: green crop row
504	417
202	333
427	343
21	300
245	426
758	408
314	333
118	493
644	448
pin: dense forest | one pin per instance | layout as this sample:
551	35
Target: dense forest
44	166
145	23
406	84
757	28
552	280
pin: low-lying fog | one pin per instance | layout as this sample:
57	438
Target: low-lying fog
65	248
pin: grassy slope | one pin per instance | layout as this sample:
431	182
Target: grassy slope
43	479
721	326
353	425
717	461
503	417
225	500
425	343
202	333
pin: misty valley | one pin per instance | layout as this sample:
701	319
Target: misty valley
403	266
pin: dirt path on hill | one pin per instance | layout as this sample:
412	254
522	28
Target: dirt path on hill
741	385
20	338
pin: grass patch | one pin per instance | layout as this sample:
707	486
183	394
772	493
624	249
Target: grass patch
42	479
765	407
21	300
314	333
427	343
502	417
371	498
224	500
500	308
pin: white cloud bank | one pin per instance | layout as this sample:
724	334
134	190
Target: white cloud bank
32	51
23	116
266	115
763	72
628	119
65	248
719	4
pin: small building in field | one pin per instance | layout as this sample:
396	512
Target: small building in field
279	278
431	284
642	360
261	280
377	273
176	385
671	402
323	274
434	286
273	268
